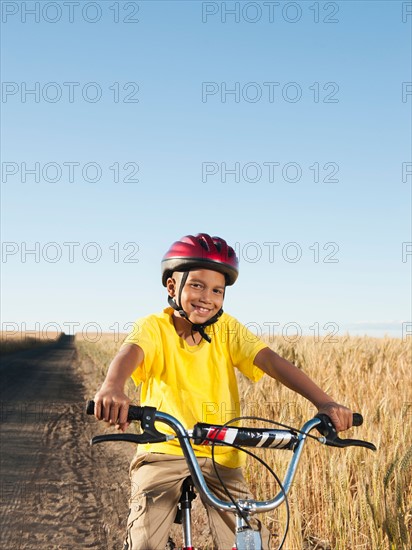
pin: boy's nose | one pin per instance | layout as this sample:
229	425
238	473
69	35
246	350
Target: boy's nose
206	295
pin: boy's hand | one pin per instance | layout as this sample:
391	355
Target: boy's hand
342	417
112	405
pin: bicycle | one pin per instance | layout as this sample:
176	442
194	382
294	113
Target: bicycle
288	438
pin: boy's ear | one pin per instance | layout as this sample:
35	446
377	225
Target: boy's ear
171	286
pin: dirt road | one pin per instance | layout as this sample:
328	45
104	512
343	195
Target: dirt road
56	491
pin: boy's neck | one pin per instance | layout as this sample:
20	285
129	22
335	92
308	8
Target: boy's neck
183	328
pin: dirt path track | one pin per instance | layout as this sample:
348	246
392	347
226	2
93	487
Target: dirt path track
56	491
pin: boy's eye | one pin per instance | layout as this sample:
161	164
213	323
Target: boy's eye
199	286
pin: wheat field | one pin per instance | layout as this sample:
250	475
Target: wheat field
341	499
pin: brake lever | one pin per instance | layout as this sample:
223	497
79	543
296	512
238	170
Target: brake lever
149	435
138	439
327	429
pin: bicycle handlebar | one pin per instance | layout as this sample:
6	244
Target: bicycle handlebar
288	439
206	434
255	437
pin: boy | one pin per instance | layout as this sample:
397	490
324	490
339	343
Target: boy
185	358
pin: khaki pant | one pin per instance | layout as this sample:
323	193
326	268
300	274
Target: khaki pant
156	488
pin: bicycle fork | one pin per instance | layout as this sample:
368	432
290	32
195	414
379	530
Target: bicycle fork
246	537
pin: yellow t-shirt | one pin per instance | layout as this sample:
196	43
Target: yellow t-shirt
194	383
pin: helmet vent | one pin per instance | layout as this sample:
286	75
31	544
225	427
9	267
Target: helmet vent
204	244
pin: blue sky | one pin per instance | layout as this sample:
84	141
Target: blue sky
283	127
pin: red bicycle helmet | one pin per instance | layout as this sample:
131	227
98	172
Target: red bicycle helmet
201	252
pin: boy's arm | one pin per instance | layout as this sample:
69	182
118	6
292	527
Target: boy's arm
292	377
111	403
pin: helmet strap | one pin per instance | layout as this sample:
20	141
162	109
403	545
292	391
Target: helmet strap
182	284
200	328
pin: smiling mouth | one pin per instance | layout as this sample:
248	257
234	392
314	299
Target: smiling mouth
200	309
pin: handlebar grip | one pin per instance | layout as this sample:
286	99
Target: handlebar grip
357	419
328	431
135	412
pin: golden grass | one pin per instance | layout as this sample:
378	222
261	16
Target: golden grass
100	350
12	341
342	499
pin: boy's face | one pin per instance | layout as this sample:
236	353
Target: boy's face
203	294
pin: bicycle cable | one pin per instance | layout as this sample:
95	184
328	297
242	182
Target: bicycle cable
215	441
275	423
